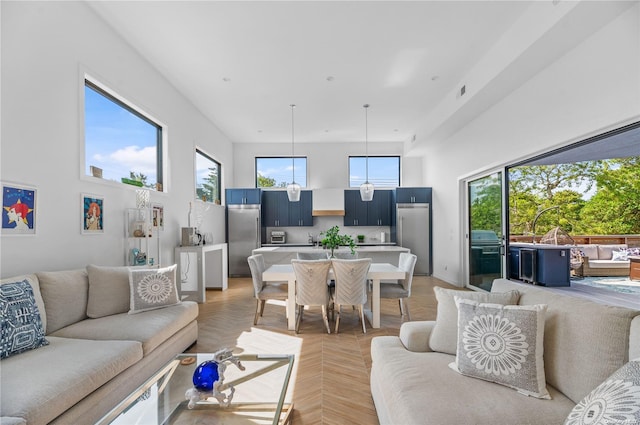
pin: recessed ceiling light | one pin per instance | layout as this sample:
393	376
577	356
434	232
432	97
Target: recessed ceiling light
396	130
435	77
259	131
226	79
330	78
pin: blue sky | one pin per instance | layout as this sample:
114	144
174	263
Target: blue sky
117	140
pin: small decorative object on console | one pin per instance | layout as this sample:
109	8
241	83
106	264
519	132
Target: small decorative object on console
208	379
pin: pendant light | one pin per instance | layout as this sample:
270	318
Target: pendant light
293	189
366	188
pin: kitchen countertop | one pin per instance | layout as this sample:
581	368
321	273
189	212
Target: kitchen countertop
308	248
313	245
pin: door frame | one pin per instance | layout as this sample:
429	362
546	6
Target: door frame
465	248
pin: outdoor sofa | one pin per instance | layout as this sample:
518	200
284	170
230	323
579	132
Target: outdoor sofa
583	344
605	260
96	352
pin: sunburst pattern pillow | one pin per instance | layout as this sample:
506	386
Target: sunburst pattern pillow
152	288
502	344
615	401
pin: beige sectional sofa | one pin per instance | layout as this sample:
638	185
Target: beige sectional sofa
96	353
583	344
598	260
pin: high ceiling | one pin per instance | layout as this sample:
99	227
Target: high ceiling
243	63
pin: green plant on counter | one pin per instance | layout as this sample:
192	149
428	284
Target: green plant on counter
333	239
360	238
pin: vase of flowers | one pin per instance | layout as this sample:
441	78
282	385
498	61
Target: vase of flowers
333	239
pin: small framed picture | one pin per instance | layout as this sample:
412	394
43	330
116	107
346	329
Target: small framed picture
157	216
19	209
92	214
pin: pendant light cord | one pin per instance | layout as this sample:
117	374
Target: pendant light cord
293	165
366	140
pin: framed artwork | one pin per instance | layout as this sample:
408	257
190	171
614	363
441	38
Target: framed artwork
19	209
157	216
92	222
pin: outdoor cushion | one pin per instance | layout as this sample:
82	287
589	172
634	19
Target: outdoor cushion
605	252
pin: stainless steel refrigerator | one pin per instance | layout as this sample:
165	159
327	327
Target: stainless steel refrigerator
413	232
243	236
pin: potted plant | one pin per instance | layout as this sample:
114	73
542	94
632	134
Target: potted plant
333	239
360	238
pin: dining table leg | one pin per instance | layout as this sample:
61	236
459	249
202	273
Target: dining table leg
291	304
373	315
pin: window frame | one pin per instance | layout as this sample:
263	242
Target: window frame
204	154
288	158
399	158
110	94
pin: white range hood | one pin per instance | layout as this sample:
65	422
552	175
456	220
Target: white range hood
328	202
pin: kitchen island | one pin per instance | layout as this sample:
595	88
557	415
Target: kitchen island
284	254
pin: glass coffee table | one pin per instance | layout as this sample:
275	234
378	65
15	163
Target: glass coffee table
260	394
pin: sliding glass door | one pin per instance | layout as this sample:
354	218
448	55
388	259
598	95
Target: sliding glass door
485	237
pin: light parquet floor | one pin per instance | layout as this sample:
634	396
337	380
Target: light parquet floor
331	382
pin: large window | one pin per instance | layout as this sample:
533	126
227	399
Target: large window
384	171
207	178
121	143
278	171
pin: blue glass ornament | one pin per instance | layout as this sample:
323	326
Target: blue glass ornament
205	375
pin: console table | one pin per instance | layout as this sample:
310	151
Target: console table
201	267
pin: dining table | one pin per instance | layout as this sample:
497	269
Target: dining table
377	272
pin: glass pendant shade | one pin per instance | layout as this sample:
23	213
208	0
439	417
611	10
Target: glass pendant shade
366	191
293	188
293	192
366	188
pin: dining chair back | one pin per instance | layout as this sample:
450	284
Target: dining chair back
311	287
263	291
401	289
351	286
323	255
345	255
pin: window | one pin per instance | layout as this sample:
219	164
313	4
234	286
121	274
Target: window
207	178
277	171
384	171
121	143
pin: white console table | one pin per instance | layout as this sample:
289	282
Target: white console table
201	267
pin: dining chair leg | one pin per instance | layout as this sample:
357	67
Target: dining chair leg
339	309
324	316
255	319
262	307
401	307
364	327
299	318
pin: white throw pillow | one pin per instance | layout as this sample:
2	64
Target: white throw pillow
615	401
152	288
444	335
502	344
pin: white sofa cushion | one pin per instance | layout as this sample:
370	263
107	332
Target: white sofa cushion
615	401
57	289
108	290
29	383
502	344
419	388
444	337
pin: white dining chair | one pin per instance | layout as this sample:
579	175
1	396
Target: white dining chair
351	286
323	255
401	289
311	287
262	290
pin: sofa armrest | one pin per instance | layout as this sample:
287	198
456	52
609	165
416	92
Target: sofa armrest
415	335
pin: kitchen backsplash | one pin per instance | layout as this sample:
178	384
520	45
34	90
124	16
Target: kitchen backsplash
372	234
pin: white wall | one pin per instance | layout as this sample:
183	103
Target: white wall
593	88
45	48
327	163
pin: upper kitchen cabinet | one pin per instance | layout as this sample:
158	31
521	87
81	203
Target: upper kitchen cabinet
300	213
413	195
243	196
277	211
371	213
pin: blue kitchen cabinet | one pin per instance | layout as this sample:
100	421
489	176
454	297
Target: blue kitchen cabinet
243	196
413	195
